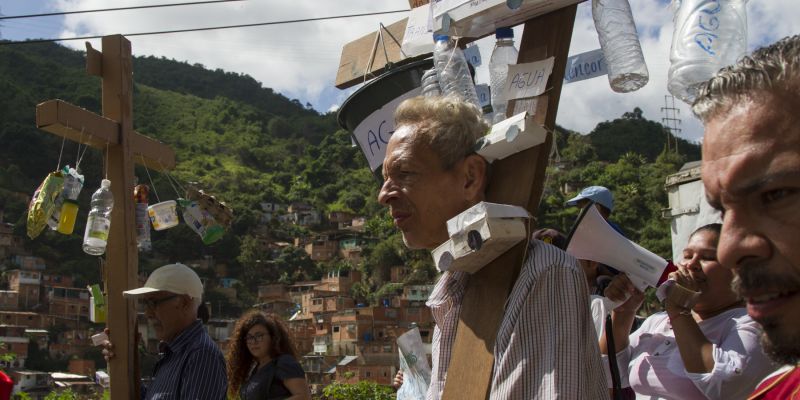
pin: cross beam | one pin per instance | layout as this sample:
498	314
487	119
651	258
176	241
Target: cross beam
85	127
113	132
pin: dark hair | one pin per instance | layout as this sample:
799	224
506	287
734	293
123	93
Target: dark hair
239	359
203	313
715	228
551	236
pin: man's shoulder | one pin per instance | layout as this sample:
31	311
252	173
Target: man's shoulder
544	256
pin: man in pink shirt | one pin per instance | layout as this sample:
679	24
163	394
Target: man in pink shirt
751	172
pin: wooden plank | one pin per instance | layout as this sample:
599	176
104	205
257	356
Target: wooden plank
76	124
83	126
122	256
356	55
517	180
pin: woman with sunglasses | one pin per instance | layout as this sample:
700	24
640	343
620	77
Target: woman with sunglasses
262	360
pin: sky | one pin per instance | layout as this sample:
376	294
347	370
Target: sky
300	60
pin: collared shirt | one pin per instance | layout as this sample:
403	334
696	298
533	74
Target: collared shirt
652	366
546	346
782	384
191	367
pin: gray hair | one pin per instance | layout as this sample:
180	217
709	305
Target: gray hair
774	69
448	125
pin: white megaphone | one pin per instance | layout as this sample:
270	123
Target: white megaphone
592	238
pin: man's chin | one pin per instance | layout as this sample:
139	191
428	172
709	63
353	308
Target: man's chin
779	345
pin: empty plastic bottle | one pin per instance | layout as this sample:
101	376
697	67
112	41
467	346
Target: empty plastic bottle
504	53
453	70
616	30
430	83
709	35
140	193
99	222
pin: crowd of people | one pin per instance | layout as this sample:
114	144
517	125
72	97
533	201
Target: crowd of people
735	337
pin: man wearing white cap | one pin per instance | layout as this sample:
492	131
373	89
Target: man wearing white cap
191	365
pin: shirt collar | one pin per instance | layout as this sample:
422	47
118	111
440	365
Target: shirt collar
183	339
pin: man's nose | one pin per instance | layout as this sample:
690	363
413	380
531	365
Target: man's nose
740	242
387	193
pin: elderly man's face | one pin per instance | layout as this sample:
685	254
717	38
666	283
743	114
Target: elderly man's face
165	313
751	171
420	194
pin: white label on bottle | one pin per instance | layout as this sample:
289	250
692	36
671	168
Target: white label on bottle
98	227
374	132
527	80
484	95
473	55
585	66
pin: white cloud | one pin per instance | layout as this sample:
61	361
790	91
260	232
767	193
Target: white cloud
300	60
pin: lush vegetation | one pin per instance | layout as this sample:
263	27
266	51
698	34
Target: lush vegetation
247	144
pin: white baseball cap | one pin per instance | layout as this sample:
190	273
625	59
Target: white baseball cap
173	278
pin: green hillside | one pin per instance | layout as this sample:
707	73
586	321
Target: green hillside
247	145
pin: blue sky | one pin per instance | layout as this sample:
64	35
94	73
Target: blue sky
300	60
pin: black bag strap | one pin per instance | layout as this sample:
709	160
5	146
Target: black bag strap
612	360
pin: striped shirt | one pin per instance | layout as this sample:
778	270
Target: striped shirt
546	346
191	367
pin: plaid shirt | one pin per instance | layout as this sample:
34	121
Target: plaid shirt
546	347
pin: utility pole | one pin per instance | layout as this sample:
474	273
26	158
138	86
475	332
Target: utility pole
671	120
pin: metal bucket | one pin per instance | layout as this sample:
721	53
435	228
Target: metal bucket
368	113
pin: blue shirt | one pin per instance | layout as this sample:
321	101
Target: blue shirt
191	367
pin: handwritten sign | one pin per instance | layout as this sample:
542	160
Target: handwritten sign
373	133
527	80
473	55
585	66
418	36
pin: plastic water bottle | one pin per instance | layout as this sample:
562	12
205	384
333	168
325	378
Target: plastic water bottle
140	193
616	30
430	83
504	53
453	70
709	35
99	222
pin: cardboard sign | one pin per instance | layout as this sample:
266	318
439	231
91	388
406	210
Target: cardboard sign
374	132
585	66
527	80
418	38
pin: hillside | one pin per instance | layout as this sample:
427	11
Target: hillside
249	145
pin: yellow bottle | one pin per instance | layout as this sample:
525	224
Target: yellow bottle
69	211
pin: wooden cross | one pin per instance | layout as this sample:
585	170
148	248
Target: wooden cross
113	133
518	180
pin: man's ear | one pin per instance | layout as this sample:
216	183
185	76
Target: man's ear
475	177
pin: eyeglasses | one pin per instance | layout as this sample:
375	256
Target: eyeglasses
255	338
151	304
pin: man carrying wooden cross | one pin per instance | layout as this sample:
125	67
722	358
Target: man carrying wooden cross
545	346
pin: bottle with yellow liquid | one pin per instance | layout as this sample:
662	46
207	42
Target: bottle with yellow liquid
69	212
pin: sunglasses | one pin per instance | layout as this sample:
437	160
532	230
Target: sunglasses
151	304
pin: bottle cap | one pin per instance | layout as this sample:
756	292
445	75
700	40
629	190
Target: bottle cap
504	33
105	183
437	37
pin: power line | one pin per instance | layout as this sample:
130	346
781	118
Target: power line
115	9
207	28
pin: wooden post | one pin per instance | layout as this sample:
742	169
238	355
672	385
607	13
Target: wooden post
517	180
114	134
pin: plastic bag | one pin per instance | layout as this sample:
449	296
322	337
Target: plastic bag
414	363
43	202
